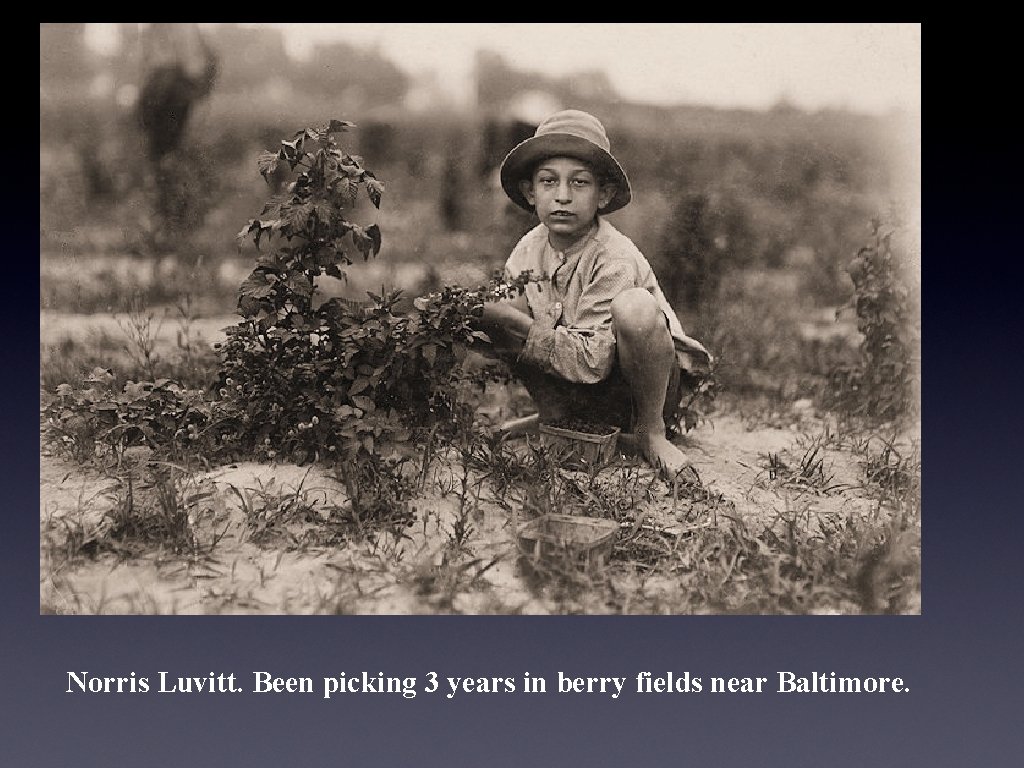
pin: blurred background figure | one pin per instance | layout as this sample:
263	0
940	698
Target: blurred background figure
178	69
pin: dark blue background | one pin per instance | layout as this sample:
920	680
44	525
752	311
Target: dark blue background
961	658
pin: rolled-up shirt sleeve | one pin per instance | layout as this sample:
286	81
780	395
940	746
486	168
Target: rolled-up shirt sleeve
585	351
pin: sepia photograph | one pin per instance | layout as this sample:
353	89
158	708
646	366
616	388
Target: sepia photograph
481	318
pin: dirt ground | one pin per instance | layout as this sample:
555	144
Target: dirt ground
422	572
418	574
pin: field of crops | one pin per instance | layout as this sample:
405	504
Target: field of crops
180	473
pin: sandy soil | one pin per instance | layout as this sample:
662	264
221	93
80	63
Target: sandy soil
388	576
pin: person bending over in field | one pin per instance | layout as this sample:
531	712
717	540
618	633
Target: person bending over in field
593	335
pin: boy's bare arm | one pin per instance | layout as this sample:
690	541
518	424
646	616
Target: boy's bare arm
507	323
510	314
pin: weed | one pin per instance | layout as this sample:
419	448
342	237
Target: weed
164	509
884	386
66	537
96	420
895	475
270	513
806	472
442	585
614	492
347	590
142	336
459	535
198	362
162	506
380	490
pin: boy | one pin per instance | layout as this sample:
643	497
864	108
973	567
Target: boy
594	336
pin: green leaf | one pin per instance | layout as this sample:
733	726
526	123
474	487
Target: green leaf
344	411
324	211
267	164
273	205
292	150
251	307
373	232
257	285
347	189
361	401
374	190
301	285
249	227
135	391
364	241
339	126
297	216
258	227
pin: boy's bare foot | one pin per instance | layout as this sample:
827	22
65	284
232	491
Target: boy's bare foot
666	458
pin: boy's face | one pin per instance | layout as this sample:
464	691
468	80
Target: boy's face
567	195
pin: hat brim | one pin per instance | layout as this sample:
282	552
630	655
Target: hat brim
520	162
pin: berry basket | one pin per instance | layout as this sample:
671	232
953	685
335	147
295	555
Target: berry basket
584	543
580	450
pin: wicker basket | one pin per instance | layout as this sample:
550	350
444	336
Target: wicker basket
580	449
584	543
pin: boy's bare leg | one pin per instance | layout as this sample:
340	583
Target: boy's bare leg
646	356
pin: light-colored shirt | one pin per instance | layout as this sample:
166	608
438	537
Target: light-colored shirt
570	299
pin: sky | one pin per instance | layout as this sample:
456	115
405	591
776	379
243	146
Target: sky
864	67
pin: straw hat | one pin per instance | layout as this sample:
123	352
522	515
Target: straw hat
569	133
